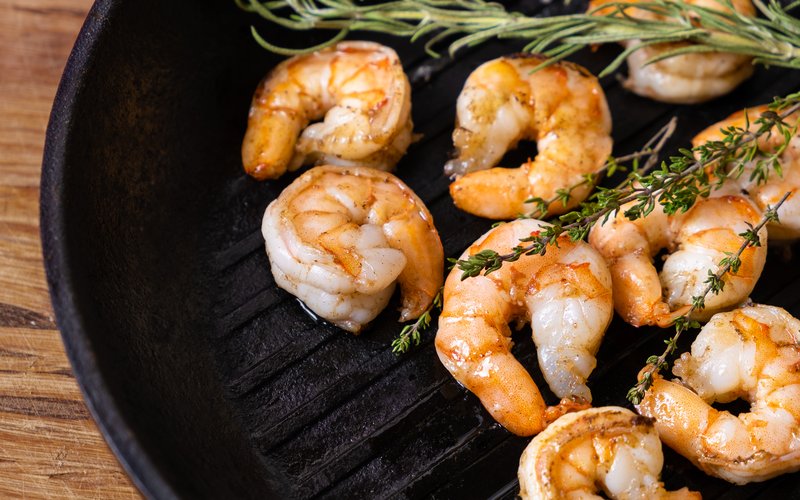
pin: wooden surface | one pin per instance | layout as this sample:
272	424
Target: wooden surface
49	445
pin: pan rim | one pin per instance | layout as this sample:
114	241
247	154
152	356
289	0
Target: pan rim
140	468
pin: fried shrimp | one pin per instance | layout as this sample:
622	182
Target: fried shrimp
697	241
608	448
566	296
339	239
683	79
767	193
561	107
752	354
361	91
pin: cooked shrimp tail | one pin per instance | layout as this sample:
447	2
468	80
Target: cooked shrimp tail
608	449
360	90
698	240
787	180
683	79
565	295
749	353
562	107
340	238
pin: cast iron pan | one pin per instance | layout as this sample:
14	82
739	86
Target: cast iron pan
206	379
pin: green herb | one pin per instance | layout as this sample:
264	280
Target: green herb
650	150
715	284
412	334
772	39
675	185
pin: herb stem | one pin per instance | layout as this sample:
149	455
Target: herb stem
412	333
772	40
715	283
651	150
675	186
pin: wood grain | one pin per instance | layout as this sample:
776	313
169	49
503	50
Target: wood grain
49	445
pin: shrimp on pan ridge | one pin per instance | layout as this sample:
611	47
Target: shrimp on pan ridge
697	241
779	183
361	91
566	296
752	354
339	239
561	106
610	448
687	78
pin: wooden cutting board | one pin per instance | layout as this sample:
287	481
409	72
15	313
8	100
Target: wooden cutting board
49	445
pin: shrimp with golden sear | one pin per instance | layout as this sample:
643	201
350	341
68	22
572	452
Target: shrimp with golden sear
562	107
698	240
564	294
610	449
360	90
753	354
687	78
769	192
340	238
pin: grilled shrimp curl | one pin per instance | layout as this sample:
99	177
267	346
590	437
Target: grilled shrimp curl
566	296
752	354
361	91
779	183
610	447
561	107
339	239
697	241
687	78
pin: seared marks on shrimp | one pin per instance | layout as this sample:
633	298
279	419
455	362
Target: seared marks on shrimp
610	449
361	91
339	239
787	180
698	240
688	78
566	296
752	354
562	107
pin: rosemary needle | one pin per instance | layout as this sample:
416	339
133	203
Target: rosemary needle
772	39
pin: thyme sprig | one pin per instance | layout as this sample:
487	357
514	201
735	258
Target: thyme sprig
412	333
675	185
651	150
772	39
715	284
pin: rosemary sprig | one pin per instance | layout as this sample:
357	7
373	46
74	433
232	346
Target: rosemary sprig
412	333
676	186
773	39
715	284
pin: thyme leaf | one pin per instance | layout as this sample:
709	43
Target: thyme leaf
412	334
715	284
675	185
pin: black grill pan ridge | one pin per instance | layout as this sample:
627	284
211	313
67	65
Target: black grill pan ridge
376	425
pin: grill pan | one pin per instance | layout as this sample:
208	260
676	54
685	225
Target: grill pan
206	379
